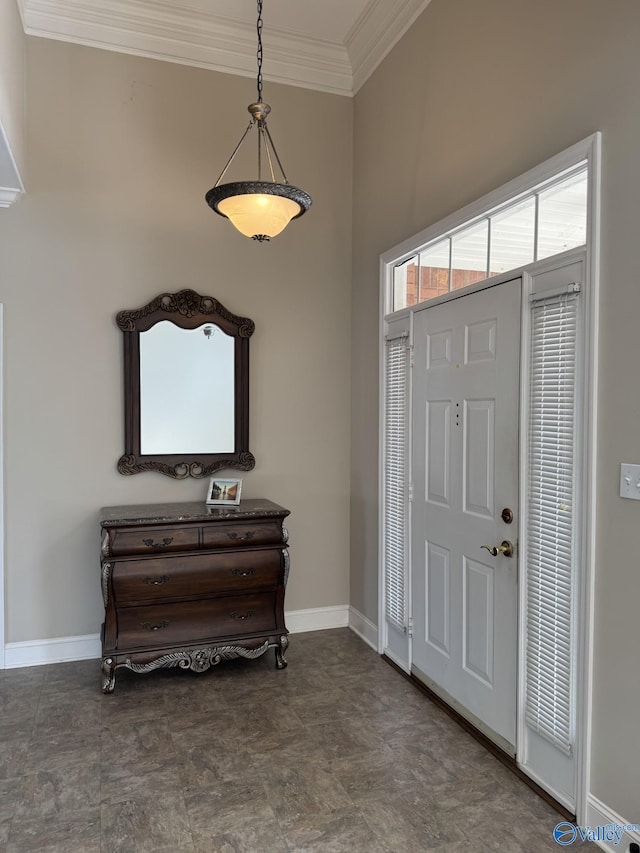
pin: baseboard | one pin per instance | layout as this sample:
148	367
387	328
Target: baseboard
63	649
600	815
364	628
317	619
57	650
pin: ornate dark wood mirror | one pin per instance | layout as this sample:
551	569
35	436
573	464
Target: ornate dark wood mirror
186	387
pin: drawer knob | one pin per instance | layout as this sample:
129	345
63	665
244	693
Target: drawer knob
242	616
147	626
156	581
243	573
237	538
151	544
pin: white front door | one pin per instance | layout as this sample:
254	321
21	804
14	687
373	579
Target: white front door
465	476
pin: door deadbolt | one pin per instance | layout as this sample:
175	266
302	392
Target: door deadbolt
505	548
507	515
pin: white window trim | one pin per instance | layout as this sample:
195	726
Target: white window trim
588	149
2	563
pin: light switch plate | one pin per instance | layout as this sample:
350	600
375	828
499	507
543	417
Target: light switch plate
630	481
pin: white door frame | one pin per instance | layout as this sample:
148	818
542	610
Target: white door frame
2	579
588	149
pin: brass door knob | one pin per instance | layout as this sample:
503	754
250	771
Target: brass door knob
505	548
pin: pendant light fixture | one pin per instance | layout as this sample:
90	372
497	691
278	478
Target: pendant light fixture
260	209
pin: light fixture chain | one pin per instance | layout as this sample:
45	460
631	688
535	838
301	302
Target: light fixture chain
259	55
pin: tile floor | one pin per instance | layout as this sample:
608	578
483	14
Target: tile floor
336	753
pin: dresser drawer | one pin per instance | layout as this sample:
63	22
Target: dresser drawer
196	621
242	534
149	540
166	578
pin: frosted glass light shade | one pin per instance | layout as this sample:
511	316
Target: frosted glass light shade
259	215
259	209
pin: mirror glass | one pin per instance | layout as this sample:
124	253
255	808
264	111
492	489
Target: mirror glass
186	387
197	365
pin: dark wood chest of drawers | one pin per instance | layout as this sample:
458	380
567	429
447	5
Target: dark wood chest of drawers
189	585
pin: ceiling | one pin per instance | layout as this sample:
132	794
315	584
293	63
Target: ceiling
328	45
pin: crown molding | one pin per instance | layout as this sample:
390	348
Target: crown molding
8	195
173	31
162	29
11	185
379	28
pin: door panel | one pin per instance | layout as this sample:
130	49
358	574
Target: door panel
439	452
478	619
479	468
437	601
465	471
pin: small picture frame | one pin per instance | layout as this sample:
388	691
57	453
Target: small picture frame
223	492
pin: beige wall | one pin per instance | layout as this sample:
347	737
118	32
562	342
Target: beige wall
121	152
12	71
474	95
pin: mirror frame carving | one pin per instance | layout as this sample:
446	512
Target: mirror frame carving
188	310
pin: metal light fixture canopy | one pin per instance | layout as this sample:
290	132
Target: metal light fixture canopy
259	209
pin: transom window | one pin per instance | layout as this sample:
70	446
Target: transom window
547	220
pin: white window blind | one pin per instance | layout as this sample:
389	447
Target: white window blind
550	519
395	480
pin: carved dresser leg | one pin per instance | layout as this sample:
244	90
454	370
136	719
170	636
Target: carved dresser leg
108	675
280	650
